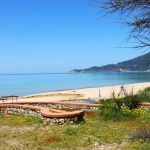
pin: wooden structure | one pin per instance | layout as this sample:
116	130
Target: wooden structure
12	97
2	99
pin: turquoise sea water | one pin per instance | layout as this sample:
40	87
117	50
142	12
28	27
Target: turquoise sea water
25	84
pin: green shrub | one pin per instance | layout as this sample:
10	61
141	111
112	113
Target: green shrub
131	100
112	108
144	95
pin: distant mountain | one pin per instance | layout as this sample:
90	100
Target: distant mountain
141	63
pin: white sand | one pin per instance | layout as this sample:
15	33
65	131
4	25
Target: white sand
92	93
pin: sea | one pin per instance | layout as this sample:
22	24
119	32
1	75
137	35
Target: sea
26	84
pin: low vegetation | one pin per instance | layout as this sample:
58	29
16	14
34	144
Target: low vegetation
118	124
124	105
145	95
25	132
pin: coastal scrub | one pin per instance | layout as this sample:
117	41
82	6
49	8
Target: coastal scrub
119	107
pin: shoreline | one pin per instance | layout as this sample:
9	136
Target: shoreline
86	93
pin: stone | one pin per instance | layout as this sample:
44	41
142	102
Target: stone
57	120
2	109
71	122
30	112
52	120
76	119
61	121
22	110
9	112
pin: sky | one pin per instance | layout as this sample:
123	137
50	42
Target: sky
55	36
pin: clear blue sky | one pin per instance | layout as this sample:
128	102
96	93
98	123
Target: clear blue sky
57	36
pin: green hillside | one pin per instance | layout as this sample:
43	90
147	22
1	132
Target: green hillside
141	63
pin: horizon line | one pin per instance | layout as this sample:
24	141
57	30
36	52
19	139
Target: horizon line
34	73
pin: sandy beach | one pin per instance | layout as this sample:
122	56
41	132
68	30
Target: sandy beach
87	93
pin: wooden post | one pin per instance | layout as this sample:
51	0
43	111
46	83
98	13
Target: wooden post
99	94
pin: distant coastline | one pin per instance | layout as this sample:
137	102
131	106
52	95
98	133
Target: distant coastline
139	64
72	71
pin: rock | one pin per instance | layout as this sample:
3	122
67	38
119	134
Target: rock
52	121
30	111
61	121
71	122
9	112
76	119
